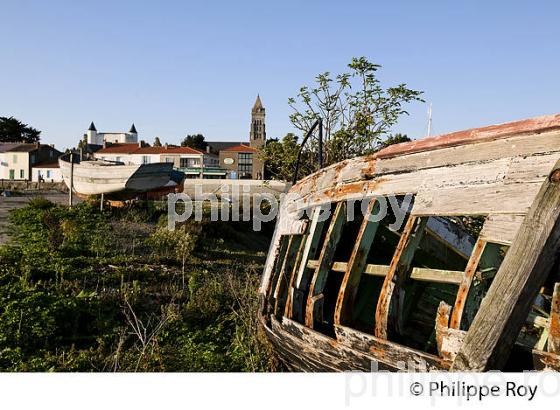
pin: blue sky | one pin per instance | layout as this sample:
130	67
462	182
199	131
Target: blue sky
178	67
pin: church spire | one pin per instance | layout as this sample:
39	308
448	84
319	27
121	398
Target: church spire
258	103
92	127
133	129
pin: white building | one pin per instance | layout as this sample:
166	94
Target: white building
98	138
17	160
46	172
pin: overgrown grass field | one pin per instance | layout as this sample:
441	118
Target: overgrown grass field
85	290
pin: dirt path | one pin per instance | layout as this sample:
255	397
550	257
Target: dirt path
7	204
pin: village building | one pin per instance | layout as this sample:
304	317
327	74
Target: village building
241	160
18	161
46	172
194	163
99	138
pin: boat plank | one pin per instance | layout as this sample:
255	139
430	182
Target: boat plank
501	228
464	287
554	326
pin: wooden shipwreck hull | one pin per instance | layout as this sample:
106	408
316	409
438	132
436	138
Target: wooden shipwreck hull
468	280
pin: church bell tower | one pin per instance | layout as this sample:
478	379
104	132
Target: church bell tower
258	131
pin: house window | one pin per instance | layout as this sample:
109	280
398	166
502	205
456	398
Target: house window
190	162
12	174
118	159
15	159
32	158
145	159
21	174
245	163
49	174
169	159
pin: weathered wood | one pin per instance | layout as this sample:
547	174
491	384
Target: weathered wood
522	273
356	265
292	277
271	263
542	340
476	200
546	360
448	340
529	126
464	186
281	292
516	146
311	243
351	350
501	228
488	266
554	327
496	171
370	269
275	273
296	302
324	263
523	144
452	277
396	355
400	264
537	321
442	321
465	285
290	221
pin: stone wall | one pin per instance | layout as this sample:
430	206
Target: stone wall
12	185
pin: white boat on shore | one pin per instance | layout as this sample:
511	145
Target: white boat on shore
95	177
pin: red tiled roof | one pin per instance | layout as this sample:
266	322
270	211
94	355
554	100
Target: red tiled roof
135	149
119	149
241	148
47	165
180	150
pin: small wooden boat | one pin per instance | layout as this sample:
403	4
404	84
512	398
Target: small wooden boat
469	281
95	177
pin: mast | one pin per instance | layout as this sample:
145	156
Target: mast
430	119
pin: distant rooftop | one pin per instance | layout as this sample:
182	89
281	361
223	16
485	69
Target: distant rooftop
21	147
134	148
241	148
47	165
